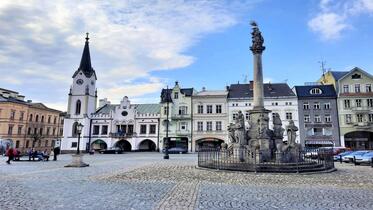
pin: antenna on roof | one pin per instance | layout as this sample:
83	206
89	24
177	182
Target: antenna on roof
244	78
322	64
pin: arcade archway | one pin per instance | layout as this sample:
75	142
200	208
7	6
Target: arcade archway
359	140
99	145
209	143
147	145
124	145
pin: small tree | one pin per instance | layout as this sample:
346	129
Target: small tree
36	137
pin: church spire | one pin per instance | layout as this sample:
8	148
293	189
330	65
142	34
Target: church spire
85	63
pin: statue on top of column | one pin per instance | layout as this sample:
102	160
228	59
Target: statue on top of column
257	39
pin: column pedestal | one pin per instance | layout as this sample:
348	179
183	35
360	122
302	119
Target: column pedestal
77	161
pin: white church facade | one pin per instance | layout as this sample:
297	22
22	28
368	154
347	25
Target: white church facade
129	127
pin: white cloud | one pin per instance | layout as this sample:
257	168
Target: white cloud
335	17
129	40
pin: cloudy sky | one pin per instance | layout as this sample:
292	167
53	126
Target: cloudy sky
140	46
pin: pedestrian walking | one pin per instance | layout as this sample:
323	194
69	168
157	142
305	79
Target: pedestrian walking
56	151
10	154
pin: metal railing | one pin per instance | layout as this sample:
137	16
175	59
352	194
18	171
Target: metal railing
242	159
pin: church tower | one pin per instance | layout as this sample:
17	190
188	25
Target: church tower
82	102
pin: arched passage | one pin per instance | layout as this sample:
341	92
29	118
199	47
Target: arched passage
99	145
359	140
147	145
213	143
124	145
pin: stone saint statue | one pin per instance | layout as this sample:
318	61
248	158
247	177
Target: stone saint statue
240	129
278	130
257	39
262	126
231	133
291	130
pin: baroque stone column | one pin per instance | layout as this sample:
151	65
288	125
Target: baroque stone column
257	48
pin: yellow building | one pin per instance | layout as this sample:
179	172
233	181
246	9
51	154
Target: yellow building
24	124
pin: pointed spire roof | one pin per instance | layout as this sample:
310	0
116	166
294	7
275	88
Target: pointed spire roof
85	63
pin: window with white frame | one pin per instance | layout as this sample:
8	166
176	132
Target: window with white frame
247	116
370	102
370	117
328	131
142	129
317	119
316	105
347	103
358	102
96	129
289	115
346	89
359	118
368	88
176	95
306	105
104	130
315	91
200	109
183	126
200	126
235	115
307	118
348	118
328	118
357	88
209	109
183	110
153	129
218	125
208	126
317	131
327	106
218	109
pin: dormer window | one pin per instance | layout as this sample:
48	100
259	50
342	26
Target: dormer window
176	95
356	76
315	91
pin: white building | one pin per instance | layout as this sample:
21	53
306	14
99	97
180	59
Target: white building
210	118
278	97
82	102
125	125
130	127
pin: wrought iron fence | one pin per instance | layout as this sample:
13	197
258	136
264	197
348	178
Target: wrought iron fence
242	159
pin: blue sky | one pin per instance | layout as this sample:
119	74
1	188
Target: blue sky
139	47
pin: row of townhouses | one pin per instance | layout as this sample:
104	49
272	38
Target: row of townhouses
337	110
26	125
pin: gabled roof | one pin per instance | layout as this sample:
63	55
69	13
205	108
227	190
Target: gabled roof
270	90
85	63
166	94
11	99
148	108
356	69
106	109
327	91
338	74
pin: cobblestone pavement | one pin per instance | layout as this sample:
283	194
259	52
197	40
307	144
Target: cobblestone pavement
146	181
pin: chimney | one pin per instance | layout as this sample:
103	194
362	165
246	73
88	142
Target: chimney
29	101
227	88
203	89
103	102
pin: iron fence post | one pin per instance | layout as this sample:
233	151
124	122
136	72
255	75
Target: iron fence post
371	162
354	160
340	159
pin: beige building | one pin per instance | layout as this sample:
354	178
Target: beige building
24	124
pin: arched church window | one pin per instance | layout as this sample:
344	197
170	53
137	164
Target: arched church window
78	107
75	129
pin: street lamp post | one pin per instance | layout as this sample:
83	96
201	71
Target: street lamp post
79	128
166	141
77	159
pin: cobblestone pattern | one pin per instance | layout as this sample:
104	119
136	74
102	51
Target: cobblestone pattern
145	181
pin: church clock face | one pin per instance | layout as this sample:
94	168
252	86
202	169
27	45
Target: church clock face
79	81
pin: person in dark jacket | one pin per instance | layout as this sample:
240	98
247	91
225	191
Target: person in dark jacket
10	154
56	151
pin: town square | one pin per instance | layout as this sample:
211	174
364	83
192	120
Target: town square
186	105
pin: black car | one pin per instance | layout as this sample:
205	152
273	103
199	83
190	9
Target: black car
114	150
176	150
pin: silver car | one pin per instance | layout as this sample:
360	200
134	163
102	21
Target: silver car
357	154
365	159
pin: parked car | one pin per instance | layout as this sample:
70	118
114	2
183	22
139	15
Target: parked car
114	150
338	157
365	158
176	150
350	157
